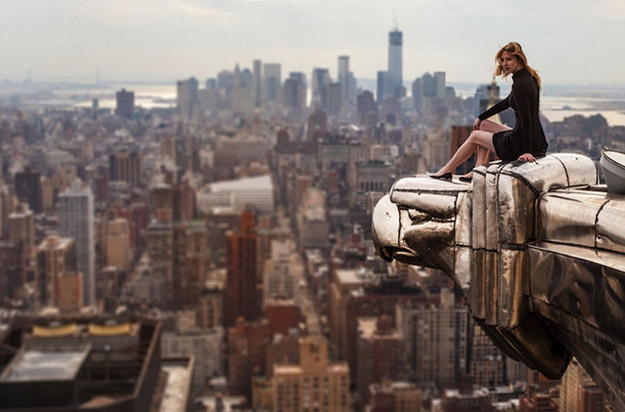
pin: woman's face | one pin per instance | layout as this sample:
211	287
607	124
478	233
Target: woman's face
509	63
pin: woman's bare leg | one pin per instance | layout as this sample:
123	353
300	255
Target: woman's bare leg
481	159
477	138
482	156
493	127
482	153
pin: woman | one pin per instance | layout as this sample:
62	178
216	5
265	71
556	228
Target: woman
527	140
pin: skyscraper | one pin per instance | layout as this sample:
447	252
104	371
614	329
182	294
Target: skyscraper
243	292
187	95
176	248
125	103
334	98
319	82
55	257
343	71
378	353
258	85
439	78
574	380
272	80
385	86
313	382
436	339
395	41
28	189
295	91
125	166
75	208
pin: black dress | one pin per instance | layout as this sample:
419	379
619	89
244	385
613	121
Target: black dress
528	135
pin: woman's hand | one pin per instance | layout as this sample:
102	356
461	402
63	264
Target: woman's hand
527	157
476	125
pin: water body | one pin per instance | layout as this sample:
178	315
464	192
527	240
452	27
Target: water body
557	102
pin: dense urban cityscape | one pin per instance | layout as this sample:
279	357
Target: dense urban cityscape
216	254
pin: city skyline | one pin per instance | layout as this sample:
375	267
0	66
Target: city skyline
568	42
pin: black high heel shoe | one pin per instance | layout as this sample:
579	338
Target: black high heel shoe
465	179
444	176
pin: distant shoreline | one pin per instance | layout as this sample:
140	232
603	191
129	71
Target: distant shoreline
557	101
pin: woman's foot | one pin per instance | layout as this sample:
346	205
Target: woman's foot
466	178
441	176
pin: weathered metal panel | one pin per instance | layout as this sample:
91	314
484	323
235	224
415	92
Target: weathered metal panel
571	217
441	205
516	210
477	297
584	283
491	286
464	219
478	209
611	226
512	301
492	232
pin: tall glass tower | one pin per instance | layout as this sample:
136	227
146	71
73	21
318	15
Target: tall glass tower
395	42
75	206
344	77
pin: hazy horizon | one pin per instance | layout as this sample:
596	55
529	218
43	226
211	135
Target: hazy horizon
568	42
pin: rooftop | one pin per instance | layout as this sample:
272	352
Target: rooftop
59	363
349	276
176	393
249	183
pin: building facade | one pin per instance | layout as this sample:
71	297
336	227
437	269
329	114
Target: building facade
314	384
395	63
75	208
436	339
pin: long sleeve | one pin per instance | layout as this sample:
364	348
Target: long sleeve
522	106
497	108
527	136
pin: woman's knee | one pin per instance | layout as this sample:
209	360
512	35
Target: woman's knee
472	137
486	125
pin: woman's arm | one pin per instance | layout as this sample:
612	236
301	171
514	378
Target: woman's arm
497	108
521	96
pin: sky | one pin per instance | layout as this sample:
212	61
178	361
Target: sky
577	42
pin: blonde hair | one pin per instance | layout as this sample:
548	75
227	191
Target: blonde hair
515	49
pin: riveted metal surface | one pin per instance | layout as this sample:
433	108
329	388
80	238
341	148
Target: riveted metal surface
462	269
405	222
512	301
428	235
463	219
571	216
516	207
427	184
491	286
581	170
535	341
478	209
477	297
611	224
442	205
385	226
491	209
585	283
555	171
543	175
546	246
